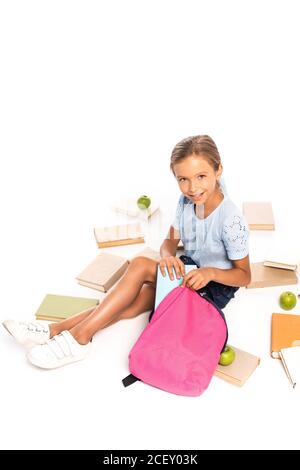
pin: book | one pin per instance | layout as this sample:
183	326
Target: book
116	235
283	255
290	358
129	207
241	368
285	332
265	276
60	307
259	215
164	284
277	264
148	253
103	272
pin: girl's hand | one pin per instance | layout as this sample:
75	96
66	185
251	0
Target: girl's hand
170	262
197	278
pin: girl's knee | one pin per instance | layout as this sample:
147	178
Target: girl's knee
142	261
146	265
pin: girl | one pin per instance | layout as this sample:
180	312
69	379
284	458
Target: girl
215	238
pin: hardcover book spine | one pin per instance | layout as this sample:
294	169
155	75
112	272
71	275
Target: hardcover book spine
129	241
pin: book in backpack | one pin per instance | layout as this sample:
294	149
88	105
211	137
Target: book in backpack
179	349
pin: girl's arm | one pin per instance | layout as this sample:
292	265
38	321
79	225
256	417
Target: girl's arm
169	259
169	245
239	276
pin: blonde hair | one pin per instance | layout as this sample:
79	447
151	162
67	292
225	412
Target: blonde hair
200	145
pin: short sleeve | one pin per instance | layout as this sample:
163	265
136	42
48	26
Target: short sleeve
235	236
178	214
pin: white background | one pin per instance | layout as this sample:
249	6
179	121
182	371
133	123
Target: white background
93	97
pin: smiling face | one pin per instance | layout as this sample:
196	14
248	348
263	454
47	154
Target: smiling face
197	179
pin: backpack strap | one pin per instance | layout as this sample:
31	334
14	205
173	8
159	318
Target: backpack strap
130	379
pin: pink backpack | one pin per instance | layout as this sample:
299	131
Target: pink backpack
179	349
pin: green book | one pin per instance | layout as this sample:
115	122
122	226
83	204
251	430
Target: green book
60	307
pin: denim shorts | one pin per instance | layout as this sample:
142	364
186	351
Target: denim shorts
219	293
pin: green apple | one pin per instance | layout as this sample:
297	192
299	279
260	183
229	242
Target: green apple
287	300
143	202
227	356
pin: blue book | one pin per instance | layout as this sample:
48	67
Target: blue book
164	284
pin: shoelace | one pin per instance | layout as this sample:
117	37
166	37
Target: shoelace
34	326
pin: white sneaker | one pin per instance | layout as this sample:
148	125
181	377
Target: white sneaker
28	333
58	351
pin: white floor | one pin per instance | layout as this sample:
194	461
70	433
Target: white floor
85	405
92	103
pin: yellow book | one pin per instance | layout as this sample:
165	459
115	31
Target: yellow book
61	307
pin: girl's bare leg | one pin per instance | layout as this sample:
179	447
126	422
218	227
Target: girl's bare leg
141	270
143	302
56	328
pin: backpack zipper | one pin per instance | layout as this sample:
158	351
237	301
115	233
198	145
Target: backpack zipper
204	296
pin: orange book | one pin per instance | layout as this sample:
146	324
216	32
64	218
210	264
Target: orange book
285	332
